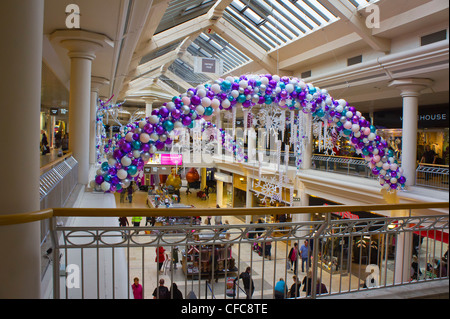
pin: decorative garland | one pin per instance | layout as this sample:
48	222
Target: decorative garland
140	140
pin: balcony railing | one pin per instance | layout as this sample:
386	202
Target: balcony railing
346	255
434	176
342	165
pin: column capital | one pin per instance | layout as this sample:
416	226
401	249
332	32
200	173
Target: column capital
149	99
97	82
80	43
412	86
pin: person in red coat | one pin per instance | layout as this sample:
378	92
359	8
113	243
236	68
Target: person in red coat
160	256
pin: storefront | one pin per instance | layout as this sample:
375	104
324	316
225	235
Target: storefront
433	130
342	253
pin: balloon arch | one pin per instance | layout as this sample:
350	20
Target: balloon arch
137	143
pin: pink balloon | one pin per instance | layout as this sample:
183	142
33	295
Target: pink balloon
186	100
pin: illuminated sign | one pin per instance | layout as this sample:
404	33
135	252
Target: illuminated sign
171	159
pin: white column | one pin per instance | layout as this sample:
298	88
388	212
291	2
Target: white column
410	91
96	84
21	31
307	156
251	145
219	193
149	100
249	198
82	46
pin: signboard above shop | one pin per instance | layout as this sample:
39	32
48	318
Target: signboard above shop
429	116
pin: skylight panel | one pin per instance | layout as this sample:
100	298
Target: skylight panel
267	27
216	45
303	11
283	16
238	5
295	12
255	18
250	30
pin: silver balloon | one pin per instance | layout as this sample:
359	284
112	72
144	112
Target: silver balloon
145	156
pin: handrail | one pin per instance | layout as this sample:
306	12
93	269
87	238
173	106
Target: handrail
23	218
48	166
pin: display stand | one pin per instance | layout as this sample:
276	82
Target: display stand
198	260
156	201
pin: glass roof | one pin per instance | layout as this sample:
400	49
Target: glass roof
214	46
269	23
180	11
272	23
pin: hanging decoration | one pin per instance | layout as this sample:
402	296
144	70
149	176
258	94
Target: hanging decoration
276	95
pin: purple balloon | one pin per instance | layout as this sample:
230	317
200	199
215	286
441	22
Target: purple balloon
159	145
135	136
195	100
160	130
117	154
145	147
176	114
99	179
126	147
401	180
186	121
164	112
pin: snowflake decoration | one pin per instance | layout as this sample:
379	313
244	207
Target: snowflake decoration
269	189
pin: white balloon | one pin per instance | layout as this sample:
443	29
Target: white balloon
201	93
136	153
126	161
393	167
170	106
215	103
276	78
106	186
243	84
152	149
215	88
122	174
153	119
129	137
154	136
112	162
200	109
226	103
206	101
235	93
144	138
264	80
290	88
142	123
371	137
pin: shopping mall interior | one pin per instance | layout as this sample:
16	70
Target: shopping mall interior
229	126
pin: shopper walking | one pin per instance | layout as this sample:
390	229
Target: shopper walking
161	292
293	257
44	143
65	143
160	257
249	286
175	293
218	219
268	247
123	222
137	289
294	292
130	193
280	290
307	282
305	253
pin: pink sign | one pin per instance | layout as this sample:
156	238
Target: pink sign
171	159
